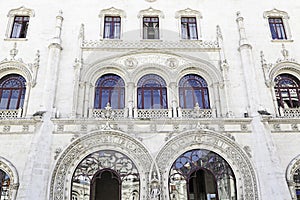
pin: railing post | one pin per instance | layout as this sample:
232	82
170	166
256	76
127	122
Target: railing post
170	113
19	114
135	113
179	112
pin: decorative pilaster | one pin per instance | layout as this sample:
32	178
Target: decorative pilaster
173	98
130	92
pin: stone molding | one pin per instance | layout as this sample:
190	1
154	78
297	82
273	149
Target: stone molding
92	142
291	168
151	12
112	12
237	158
10	169
119	45
21	11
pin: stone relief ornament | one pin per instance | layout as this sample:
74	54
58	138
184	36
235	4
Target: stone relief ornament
172	63
130	62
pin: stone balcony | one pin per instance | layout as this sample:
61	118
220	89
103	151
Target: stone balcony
291	112
10	114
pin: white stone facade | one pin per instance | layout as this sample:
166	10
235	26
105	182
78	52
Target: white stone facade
65	52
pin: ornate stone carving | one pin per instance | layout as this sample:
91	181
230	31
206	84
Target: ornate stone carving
90	143
6	128
151	12
112	12
11	171
172	63
22	11
225	147
188	13
130	62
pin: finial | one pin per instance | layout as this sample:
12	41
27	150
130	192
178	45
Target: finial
219	32
262	58
13	51
60	12
284	52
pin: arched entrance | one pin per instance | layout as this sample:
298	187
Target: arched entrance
215	164
201	174
105	174
86	163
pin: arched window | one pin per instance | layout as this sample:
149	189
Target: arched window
152	92
201	174
4	185
106	174
287	91
297	182
110	88
12	91
193	90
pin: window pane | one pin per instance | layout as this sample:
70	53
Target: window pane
156	99
104	98
4	99
114	103
14	99
147	99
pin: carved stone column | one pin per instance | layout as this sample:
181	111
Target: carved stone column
173	96
130	93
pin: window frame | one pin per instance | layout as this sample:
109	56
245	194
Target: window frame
24	26
21	90
272	14
12	14
188	27
151	12
112	27
151	18
111	12
189	13
142	88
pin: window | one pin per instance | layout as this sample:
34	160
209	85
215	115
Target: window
189	28
111	20
109	89
18	23
287	90
20	27
193	90
4	185
201	174
106	174
150	28
152	92
297	183
277	29
112	27
278	25
12	91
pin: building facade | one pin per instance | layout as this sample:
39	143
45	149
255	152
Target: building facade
149	100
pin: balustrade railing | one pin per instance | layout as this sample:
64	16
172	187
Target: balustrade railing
152	113
10	114
195	113
109	114
291	112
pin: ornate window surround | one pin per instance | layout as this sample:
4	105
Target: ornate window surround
285	17
11	171
111	12
22	11
189	13
151	12
291	169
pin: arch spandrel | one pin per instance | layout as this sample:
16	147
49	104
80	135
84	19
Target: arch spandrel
92	142
218	143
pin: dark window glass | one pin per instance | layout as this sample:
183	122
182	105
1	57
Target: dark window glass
189	28
193	90
110	88
20	26
112	27
150	28
4	185
287	91
152	92
201	175
12	91
277	28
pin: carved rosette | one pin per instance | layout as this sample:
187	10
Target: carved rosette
95	141
216	142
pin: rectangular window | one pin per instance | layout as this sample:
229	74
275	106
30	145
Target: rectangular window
112	27
150	28
277	29
189	28
20	26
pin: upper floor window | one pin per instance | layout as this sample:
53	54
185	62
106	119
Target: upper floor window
150	28
277	29
112	27
111	21
18	23
189	23
193	90
109	88
278	24
152	92
189	28
20	27
287	91
12	91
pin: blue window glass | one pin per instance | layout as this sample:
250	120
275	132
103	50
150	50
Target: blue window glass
109	88
12	91
277	29
152	92
193	89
